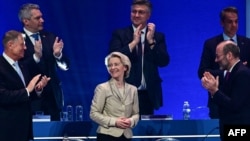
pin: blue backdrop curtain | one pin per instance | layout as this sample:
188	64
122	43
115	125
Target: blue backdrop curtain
86	26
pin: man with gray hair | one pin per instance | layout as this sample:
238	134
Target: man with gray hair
17	89
229	22
44	49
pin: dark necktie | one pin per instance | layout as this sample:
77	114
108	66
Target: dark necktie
231	39
35	36
139	66
227	75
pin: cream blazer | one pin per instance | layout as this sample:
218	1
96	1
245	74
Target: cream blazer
108	105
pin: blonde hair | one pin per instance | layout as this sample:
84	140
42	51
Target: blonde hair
124	60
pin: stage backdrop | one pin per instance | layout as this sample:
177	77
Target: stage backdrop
86	26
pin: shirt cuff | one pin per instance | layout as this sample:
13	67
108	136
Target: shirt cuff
59	57
39	92
27	92
37	60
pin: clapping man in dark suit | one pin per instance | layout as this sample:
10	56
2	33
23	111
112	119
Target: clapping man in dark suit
229	23
233	97
45	50
147	51
17	89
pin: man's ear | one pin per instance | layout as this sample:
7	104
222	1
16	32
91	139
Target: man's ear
25	21
229	55
10	44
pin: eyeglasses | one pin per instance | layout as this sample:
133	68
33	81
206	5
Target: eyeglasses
140	12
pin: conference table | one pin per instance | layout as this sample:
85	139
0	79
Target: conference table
146	130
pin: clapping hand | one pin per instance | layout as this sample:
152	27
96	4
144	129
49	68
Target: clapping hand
150	33
57	47
37	84
38	48
209	82
42	83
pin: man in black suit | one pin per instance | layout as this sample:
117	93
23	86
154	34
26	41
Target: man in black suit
229	23
45	50
147	51
17	89
233	97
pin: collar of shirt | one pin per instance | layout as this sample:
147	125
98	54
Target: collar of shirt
230	70
225	37
29	34
142	34
9	60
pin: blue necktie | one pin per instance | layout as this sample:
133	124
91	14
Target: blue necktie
18	70
227	75
35	36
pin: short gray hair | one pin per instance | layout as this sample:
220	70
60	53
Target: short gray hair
25	11
124	59
11	35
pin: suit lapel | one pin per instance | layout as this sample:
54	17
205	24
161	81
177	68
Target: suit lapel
227	84
244	53
126	91
114	89
29	45
11	71
44	41
129	34
24	72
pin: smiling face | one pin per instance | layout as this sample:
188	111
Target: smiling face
140	15
15	48
116	69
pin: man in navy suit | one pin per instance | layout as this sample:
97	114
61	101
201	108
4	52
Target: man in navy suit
17	89
45	50
233	96
147	51
229	23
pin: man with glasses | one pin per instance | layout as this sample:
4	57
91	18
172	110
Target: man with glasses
147	51
229	23
233	97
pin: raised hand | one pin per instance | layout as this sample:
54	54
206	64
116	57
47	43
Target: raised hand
150	33
57	47
38	48
42	83
32	83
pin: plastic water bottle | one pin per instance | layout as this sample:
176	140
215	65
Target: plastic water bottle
70	112
186	110
79	113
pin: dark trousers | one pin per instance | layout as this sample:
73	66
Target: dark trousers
213	108
103	137
145	105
